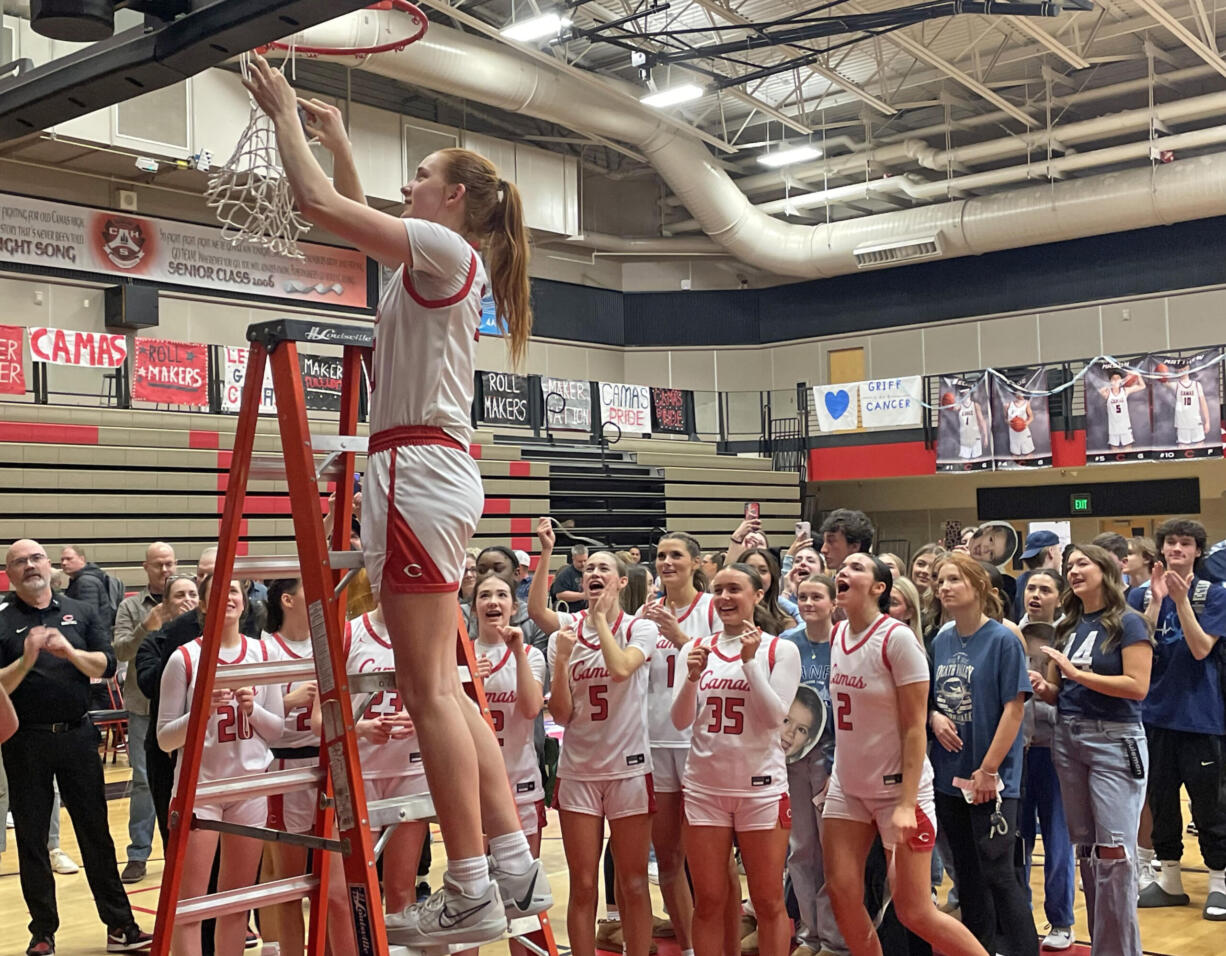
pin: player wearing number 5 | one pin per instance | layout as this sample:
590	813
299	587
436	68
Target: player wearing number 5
243	725
599	694
738	688
882	782
1097	684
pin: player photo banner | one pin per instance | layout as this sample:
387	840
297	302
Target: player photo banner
1185	396
321	381
12	367
1116	414
176	373
504	399
568	404
1021	423
964	429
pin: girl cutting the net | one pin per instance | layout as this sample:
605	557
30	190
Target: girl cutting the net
423	492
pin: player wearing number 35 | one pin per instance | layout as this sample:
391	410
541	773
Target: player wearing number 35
1097	683
882	782
599	694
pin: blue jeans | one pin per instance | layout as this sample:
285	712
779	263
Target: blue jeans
1102	803
1041	803
142	818
817	927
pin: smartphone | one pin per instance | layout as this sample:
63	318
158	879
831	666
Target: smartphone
752	511
803	530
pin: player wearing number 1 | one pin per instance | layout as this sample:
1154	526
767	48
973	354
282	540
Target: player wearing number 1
599	694
738	688
242	726
882	781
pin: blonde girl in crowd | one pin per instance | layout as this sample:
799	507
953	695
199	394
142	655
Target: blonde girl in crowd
598	692
421	385
882	782
514	676
738	687
243	725
893	562
905	604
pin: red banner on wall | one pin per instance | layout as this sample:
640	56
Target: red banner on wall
173	372
12	370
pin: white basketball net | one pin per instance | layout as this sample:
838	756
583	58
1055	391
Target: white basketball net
251	194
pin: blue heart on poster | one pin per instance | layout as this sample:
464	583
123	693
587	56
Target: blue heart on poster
837	402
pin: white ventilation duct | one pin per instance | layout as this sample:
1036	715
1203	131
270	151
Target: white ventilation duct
452	62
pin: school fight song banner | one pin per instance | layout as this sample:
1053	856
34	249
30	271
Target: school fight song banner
964	430
1021	422
174	373
1186	404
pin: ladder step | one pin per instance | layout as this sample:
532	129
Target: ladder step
393	810
269	835
260	785
244	898
285	672
288	565
272	467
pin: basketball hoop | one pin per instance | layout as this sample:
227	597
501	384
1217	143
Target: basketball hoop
391	46
250	193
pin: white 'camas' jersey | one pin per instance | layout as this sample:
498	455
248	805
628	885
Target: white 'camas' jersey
1187	405
368	649
515	733
1119	419
866	669
233	745
606	737
426	335
732	752
667	667
297	731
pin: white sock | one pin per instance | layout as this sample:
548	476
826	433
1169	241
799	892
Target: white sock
612	913
471	875
1170	879
1145	856
1217	881
687	952
511	851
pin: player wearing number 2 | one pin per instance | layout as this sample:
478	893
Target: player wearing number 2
599	694
738	688
242	726
882	781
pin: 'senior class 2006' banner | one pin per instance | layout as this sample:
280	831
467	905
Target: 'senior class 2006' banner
1021	421
964	430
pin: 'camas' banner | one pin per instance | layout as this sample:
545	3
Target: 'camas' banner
12	368
626	406
85	349
504	399
321	381
1185	397
233	373
568	404
671	411
176	373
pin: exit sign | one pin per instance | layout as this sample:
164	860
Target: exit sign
1081	504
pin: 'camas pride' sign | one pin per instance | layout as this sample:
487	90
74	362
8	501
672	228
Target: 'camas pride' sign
70	347
627	406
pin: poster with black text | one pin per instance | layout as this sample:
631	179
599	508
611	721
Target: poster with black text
1187	404
504	399
671	411
568	403
1117	414
1021	424
964	429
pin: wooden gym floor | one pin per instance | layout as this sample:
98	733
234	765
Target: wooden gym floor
1169	932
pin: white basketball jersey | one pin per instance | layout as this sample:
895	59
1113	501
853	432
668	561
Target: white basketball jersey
1118	419
606	737
731	752
1017	409
298	731
232	747
969	423
370	650
426	335
515	733
697	620
1187	405
866	670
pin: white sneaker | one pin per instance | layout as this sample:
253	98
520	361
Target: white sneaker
653	872
448	916
523	894
62	863
1060	937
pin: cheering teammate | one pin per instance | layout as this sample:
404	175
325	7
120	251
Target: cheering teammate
422	493
242	725
599	694
738	688
882	781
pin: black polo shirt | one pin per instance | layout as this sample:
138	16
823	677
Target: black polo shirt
53	690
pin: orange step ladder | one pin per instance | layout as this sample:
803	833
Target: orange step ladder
325	568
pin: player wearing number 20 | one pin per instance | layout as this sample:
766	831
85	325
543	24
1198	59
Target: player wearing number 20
738	688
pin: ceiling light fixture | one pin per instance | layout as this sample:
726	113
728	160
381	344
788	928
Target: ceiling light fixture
672	96
536	28
789	155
